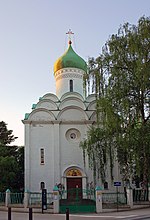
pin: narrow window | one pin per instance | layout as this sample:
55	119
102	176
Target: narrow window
105	185
42	156
42	185
71	85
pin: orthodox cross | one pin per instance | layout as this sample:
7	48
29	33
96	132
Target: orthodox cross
69	34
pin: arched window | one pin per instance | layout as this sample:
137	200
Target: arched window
105	185
71	85
42	185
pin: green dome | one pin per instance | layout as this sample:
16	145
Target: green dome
70	59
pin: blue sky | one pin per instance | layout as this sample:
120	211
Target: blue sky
33	36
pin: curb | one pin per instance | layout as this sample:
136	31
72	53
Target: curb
50	211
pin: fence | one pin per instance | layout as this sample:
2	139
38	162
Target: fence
80	196
2	198
16	198
36	198
140	195
77	193
114	198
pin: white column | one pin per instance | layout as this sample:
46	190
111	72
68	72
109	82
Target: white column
55	200
130	197
7	199
26	199
57	161
27	157
99	208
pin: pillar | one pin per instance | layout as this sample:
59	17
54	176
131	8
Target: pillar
130	197
26	198
7	199
55	200
99	208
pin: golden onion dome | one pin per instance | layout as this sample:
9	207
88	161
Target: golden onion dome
70	59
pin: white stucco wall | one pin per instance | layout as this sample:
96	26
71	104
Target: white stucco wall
49	126
63	78
41	136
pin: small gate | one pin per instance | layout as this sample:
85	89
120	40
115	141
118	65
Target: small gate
78	201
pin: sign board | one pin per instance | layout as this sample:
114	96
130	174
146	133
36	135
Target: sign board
44	199
117	183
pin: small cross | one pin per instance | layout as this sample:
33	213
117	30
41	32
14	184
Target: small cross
69	34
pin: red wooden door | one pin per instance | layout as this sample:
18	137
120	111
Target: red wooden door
74	188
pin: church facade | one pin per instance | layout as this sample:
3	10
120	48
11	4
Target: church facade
56	126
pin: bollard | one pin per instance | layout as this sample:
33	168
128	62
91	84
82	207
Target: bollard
30	213
67	214
9	213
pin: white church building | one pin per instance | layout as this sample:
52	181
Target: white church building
56	126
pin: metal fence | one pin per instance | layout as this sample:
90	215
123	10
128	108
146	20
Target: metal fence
140	195
36	198
77	200
114	198
2	197
78	194
16	198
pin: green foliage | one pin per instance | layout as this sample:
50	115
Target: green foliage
11	161
6	136
129	91
120	78
99	150
9	168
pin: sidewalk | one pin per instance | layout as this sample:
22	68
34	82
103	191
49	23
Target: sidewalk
50	209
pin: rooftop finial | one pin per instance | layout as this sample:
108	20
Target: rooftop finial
69	35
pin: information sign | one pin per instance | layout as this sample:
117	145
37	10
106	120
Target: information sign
44	199
117	183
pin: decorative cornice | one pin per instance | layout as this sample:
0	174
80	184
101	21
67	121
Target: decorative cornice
31	122
69	72
69	75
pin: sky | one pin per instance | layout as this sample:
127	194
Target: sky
33	36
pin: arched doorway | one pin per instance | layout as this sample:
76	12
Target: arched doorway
74	184
75	196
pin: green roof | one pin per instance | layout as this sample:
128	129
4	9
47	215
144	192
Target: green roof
70	59
26	116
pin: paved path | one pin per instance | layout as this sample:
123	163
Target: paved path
140	214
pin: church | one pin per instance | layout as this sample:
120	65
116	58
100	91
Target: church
56	126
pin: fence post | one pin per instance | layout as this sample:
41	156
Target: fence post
7	199
130	197
99	208
30	213
67	213
9	213
55	200
26	198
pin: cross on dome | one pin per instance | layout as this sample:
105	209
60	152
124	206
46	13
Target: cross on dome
70	58
69	35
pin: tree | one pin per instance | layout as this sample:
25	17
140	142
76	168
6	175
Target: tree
11	161
6	136
123	97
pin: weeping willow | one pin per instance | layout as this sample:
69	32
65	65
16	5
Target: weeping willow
119	78
99	145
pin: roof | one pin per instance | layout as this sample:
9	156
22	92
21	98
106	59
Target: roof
70	59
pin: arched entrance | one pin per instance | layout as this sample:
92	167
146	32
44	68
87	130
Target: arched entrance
76	196
74	184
